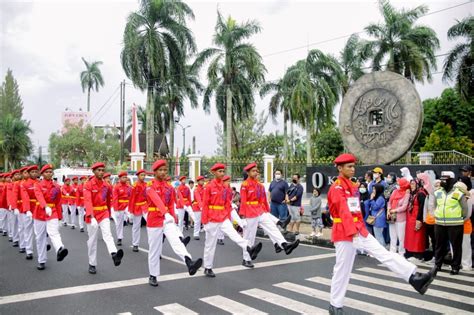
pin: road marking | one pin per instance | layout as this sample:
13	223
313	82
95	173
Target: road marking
396	298
174	309
442	274
140	281
445	284
231	306
322	295
162	256
126	313
284	302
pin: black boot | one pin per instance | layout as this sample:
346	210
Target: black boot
22	250
247	263
152	281
117	257
254	250
10	239
4	233
41	266
185	240
119	242
289	247
285	222
209	273
62	252
48	247
421	281
278	248
193	265
15	244
92	270
220	242
81	229
29	257
135	249
335	310
454	272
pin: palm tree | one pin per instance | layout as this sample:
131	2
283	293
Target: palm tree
16	144
235	70
91	79
161	118
352	58
406	48
459	65
156	43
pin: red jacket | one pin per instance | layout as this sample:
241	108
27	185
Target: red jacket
167	195
138	202
121	196
185	193
28	195
253	199
3	196
198	194
156	207
9	195
68	195
48	194
346	223
14	195
80	195
97	197
216	202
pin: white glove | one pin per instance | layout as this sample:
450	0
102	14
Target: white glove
48	211
145	216
169	218
94	223
130	216
112	213
16	212
67	194
243	223
29	214
9	208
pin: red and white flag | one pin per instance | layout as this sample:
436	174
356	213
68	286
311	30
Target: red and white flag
135	142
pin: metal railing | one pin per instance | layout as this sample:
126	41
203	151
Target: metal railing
435	157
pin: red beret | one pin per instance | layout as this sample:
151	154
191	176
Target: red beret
75	178
91	177
140	171
345	158
107	175
199	178
158	164
46	167
168	178
15	172
182	177
250	166
67	179
97	165
32	168
226	178
6	175
83	177
217	166
123	173
2	175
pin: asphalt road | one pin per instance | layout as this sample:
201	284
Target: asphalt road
279	284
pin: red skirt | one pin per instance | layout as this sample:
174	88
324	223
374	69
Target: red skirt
414	240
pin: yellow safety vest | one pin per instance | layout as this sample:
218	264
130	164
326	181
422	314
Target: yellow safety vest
448	207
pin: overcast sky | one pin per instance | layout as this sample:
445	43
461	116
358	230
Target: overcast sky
43	41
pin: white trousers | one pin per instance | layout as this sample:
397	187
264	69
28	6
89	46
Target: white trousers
73	215
65	208
466	259
137	224
81	216
212	229
43	229
345	255
397	232
21	232
27	234
104	227
235	217
220	235
181	212
13	226
173	234
3	220
119	215
267	224
155	246
197	223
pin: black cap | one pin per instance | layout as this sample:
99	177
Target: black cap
466	168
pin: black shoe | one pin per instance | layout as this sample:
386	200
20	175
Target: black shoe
48	247
247	263
335	310
454	272
220	242
64	224
209	273
152	281
81	229
15	244
62	252
421	281
193	266
283	224
117	257
289	247
73	227
278	248
22	250
41	266
135	249
197	238
4	233
185	240
438	268
119	242
10	239
92	270
254	250
29	257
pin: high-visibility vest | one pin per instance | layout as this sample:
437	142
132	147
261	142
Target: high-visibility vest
448	207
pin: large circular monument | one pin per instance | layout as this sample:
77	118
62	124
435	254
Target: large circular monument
381	117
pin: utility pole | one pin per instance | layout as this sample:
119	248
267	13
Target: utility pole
122	120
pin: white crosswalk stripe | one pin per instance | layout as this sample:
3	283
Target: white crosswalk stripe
174	309
323	295
392	297
231	306
444	274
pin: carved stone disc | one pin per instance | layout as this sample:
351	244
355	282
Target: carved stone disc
381	117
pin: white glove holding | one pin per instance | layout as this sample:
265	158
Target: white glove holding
130	216
29	214
67	194
16	212
48	211
94	223
169	218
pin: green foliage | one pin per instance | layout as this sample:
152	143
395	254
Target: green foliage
447	108
10	99
329	143
84	145
443	138
352	58
15	143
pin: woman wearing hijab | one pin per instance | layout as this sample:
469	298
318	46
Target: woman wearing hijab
415	235
396	214
377	209
428	215
466	259
364	197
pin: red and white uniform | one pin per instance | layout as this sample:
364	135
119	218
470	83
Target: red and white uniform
120	200
137	207
68	199
80	204
14	203
197	207
3	207
183	204
29	205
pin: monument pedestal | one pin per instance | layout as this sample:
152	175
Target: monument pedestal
137	160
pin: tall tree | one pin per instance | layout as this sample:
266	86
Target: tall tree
16	144
459	65
235	70
156	43
406	48
91	79
352	59
10	99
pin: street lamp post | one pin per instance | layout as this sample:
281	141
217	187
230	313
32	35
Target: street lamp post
184	136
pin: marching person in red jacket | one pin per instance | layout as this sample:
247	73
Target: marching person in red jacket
255	210
185	192
97	200
68	199
29	204
80	202
161	221
349	234
120	200
46	216
216	217
21	208
137	207
8	212
73	206
12	198
3	206
197	206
